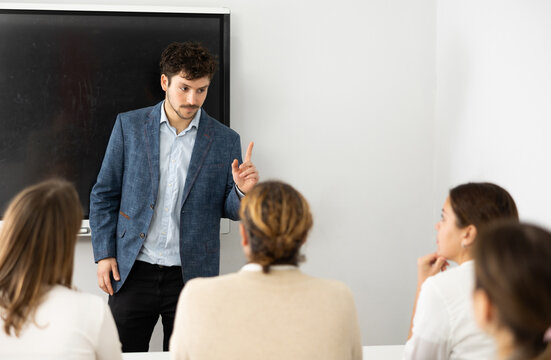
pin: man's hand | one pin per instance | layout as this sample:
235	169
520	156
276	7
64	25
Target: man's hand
430	265
105	267
245	175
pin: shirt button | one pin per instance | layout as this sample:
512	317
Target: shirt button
142	235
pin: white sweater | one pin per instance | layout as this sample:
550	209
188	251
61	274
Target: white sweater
69	325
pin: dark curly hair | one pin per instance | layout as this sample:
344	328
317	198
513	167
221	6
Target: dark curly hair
189	57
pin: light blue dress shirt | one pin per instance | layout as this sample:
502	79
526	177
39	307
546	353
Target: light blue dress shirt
162	245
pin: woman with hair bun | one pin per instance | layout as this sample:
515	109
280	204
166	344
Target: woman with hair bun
443	325
512	297
269	309
42	317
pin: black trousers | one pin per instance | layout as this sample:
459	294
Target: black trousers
149	291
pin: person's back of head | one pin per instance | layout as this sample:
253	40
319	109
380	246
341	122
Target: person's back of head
479	204
37	243
513	288
276	219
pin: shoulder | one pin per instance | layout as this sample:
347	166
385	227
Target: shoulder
328	285
207	289
302	284
72	299
337	295
207	284
219	128
453	280
142	113
72	309
443	294
290	278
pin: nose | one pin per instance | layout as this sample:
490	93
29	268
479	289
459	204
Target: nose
191	98
437	225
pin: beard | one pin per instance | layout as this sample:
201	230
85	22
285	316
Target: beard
187	109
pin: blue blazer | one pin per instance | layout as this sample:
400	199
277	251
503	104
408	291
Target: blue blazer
124	196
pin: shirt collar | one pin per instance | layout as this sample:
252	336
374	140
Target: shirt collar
257	267
193	123
468	263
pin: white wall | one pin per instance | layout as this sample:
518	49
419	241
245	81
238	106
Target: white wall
339	99
494	99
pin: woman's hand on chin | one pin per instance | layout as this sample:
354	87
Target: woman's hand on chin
429	265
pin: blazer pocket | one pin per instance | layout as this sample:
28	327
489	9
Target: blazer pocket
121	232
122	223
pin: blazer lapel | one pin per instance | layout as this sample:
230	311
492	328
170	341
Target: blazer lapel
151	140
202	145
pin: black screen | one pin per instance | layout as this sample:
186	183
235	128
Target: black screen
64	76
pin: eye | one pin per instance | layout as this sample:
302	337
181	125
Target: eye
200	91
184	89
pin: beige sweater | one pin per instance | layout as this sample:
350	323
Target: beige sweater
281	315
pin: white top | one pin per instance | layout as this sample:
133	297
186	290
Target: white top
258	267
444	326
71	325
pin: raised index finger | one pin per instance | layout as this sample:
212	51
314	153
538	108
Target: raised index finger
249	152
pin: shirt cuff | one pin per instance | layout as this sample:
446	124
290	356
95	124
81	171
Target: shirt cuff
240	194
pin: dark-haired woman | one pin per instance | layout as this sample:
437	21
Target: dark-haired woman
443	325
270	309
512	299
41	316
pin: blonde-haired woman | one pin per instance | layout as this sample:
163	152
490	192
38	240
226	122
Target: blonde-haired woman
41	316
270	309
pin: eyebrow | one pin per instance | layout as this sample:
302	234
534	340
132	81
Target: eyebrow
189	86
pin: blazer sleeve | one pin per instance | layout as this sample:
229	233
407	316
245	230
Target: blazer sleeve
106	196
232	201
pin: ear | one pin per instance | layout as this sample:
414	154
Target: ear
244	240
469	234
164	82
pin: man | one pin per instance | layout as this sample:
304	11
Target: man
170	172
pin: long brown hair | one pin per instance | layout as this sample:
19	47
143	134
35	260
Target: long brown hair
479	204
37	245
277	220
513	267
